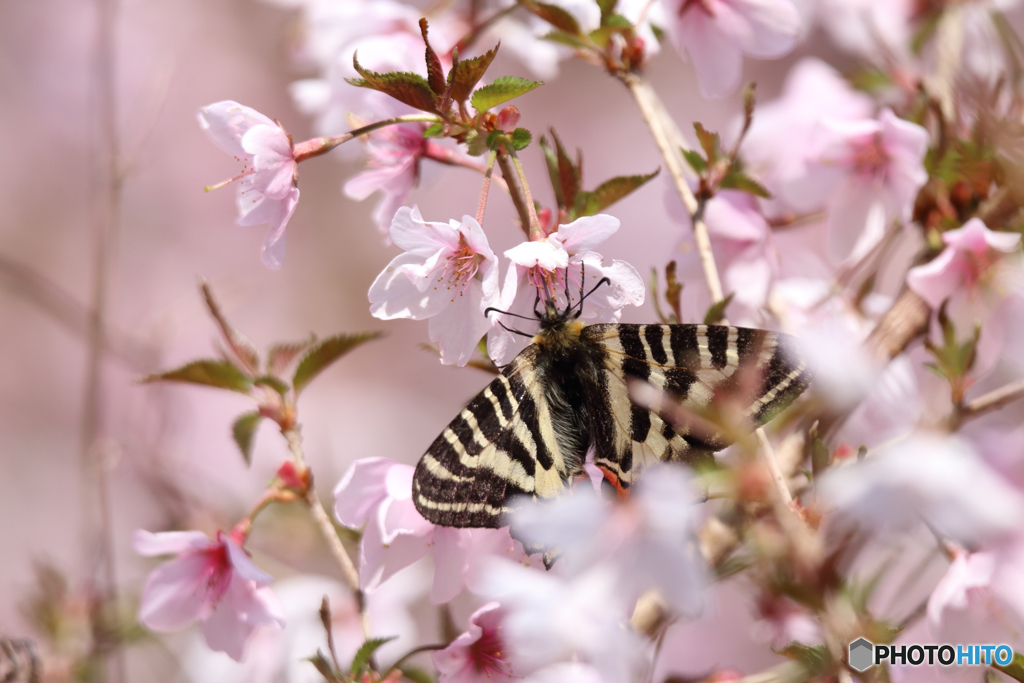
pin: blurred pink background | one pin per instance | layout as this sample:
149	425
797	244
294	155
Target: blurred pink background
389	398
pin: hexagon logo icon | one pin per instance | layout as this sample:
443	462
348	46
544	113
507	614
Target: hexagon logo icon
862	654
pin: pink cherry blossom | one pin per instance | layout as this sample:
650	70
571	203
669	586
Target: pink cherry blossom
717	33
448	274
393	155
377	493
210	581
648	540
867	173
976	272
267	194
558	262
778	147
478	655
921	479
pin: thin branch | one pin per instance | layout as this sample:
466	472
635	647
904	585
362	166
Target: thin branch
486	189
348	569
992	401
535	231
317	146
772	463
668	140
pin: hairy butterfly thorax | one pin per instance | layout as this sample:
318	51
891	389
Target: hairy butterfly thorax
527	433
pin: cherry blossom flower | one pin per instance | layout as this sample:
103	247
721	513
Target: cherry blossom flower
867	173
976	272
877	30
717	33
448	274
267	194
778	147
648	540
213	581
392	168
922	478
561	261
478	655
377	493
742	244
552	619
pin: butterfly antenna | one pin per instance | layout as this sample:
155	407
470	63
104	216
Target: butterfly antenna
536	302
568	301
509	329
602	281
487	312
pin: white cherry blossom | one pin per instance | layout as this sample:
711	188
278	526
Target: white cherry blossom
448	274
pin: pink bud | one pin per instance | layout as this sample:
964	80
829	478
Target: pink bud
291	477
508	119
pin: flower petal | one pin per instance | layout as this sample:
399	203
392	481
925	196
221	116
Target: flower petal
417	236
177	593
585	233
272	159
548	254
227	122
394	295
149	544
362	488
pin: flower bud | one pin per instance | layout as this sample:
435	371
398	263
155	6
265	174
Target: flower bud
508	119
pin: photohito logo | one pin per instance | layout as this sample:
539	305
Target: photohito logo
863	654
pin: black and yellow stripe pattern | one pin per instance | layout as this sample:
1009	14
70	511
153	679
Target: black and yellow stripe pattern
527	432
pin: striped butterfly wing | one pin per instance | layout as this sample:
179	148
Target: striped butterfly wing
693	364
499	446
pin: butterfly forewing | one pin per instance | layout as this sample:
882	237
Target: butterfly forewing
501	445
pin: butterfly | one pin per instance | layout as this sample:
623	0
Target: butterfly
526	435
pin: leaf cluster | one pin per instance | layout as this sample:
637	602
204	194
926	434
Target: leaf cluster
623	54
566	177
240	369
953	359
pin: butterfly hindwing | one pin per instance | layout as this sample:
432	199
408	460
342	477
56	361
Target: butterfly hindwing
693	364
501	445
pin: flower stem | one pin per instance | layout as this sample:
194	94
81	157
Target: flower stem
348	569
668	141
994	400
534	232
486	188
316	146
514	191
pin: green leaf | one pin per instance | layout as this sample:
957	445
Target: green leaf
607	7
820	457
551	160
708	142
365	653
237	342
434	130
521	139
212	373
476	144
695	160
416	674
737	180
568	39
815	660
617	21
325	353
467	73
716	313
404	86
1015	669
244	431
325	668
611	191
501	90
568	172
584	205
554	15
281	356
274	383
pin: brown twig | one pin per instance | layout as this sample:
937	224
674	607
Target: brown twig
514	191
323	522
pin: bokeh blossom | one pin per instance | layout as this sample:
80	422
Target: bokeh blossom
715	34
267	193
213	581
448	274
924	478
648	540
